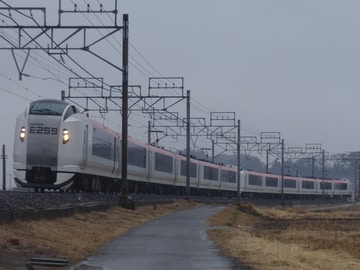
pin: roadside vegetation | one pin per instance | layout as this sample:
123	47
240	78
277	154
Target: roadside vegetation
288	238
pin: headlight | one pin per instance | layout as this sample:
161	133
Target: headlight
66	136
22	134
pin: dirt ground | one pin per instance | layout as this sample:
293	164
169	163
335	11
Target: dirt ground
261	238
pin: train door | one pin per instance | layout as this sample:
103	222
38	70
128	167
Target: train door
85	147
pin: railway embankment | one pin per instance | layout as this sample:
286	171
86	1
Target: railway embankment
16	205
34	206
27	206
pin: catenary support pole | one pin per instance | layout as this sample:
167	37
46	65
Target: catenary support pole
125	85
282	171
212	151
323	174
238	161
149	132
4	167
188	144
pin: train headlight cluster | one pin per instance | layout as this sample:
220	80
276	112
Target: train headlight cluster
22	134
66	136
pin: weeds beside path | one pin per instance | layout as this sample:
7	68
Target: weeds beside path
268	238
76	237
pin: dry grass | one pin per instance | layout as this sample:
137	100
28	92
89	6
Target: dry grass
75	237
290	238
263	238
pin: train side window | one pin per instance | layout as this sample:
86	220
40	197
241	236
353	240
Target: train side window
211	173
193	169
288	183
255	180
228	176
271	181
136	155
163	163
70	111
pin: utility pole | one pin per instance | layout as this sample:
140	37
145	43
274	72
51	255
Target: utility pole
124	132
282	171
269	141
4	167
188	144
356	183
323	174
312	166
238	161
212	151
149	132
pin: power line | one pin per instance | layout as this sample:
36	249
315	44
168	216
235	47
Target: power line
14	94
197	104
25	88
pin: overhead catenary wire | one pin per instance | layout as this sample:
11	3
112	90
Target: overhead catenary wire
57	60
196	105
15	82
132	61
14	94
61	63
41	65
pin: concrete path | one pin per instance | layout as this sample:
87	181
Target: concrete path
176	242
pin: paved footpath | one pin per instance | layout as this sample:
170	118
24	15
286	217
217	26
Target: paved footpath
175	242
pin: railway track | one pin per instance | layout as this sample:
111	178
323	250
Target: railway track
29	205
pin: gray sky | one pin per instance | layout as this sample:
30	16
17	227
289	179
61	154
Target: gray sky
281	65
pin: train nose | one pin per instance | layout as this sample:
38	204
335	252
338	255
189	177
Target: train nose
42	144
41	175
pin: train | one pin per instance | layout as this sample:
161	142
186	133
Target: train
56	147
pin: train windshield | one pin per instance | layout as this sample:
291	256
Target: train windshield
47	107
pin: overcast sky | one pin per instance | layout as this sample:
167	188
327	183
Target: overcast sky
281	65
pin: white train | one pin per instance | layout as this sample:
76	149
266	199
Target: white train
58	148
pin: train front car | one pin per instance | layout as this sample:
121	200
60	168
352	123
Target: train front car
41	133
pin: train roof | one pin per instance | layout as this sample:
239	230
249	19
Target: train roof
47	107
47	101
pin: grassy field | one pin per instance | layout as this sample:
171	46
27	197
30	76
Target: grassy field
269	238
262	238
76	237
